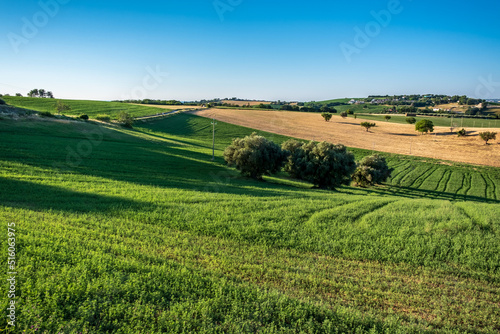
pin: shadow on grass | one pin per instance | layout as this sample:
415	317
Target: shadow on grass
408	192
39	197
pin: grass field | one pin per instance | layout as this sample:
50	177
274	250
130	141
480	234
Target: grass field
138	231
80	107
457	122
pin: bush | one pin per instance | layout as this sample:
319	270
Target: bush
125	119
327	116
411	120
45	114
2	102
367	125
486	136
255	156
343	114
324	164
84	117
462	133
387	117
424	125
62	107
370	171
103	117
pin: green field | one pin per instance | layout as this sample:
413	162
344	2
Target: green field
138	231
80	107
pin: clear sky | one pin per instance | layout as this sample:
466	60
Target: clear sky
255	49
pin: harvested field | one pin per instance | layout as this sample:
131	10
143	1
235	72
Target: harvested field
385	137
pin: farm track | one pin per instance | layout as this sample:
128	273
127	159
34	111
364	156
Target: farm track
494	191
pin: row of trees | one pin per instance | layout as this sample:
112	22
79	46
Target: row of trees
40	93
324	164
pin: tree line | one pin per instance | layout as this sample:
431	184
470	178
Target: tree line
325	165
42	93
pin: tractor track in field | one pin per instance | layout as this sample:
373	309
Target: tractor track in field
445	181
419	180
493	187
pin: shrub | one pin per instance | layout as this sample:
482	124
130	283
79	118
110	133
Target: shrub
370	171
103	117
350	112
387	117
45	114
411	120
254	156
324	164
486	136
367	125
327	116
2	102
462	133
125	119
62	107
84	117
424	125
343	114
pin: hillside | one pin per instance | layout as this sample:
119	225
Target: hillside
386	136
80	107
138	231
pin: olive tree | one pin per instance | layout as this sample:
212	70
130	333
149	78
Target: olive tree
327	116
371	170
367	125
324	164
424	125
487	136
255	156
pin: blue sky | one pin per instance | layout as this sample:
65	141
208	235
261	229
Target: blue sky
255	49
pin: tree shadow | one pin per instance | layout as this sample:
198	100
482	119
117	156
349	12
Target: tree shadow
39	197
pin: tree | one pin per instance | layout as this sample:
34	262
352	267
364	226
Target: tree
411	120
50	95
349	112
368	125
324	164
19	94
41	93
255	156
387	117
327	116
343	114
84	117
125	119
487	136
371	170
424	125
62	107
33	93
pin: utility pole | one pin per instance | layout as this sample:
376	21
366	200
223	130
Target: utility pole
213	139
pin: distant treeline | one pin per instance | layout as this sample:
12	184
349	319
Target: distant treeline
159	102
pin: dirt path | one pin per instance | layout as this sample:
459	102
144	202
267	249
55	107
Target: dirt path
385	137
